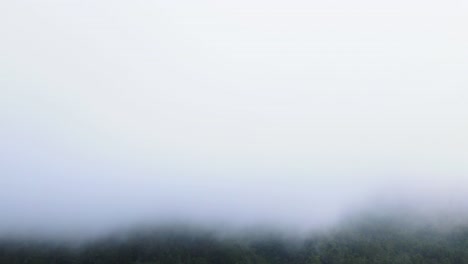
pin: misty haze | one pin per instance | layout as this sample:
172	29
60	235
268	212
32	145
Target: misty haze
233	131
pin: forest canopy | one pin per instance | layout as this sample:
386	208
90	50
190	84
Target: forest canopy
373	240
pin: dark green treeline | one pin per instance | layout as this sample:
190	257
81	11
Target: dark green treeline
372	242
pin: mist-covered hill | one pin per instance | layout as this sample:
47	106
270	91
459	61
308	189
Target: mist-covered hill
369	240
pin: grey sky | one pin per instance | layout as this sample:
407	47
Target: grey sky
291	112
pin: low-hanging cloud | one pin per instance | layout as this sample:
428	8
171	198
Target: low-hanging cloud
283	113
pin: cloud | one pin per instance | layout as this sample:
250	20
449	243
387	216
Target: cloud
292	113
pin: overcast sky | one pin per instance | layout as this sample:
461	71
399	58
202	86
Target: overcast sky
290	112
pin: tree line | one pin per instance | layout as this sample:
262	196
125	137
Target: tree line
366	242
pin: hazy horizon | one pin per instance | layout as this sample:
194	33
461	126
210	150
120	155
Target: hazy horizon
291	114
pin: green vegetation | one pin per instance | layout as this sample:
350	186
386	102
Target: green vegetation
370	242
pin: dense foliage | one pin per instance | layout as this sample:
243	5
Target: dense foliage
372	242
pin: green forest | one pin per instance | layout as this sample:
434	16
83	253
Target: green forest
366	242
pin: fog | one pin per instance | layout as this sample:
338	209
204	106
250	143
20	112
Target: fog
290	114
